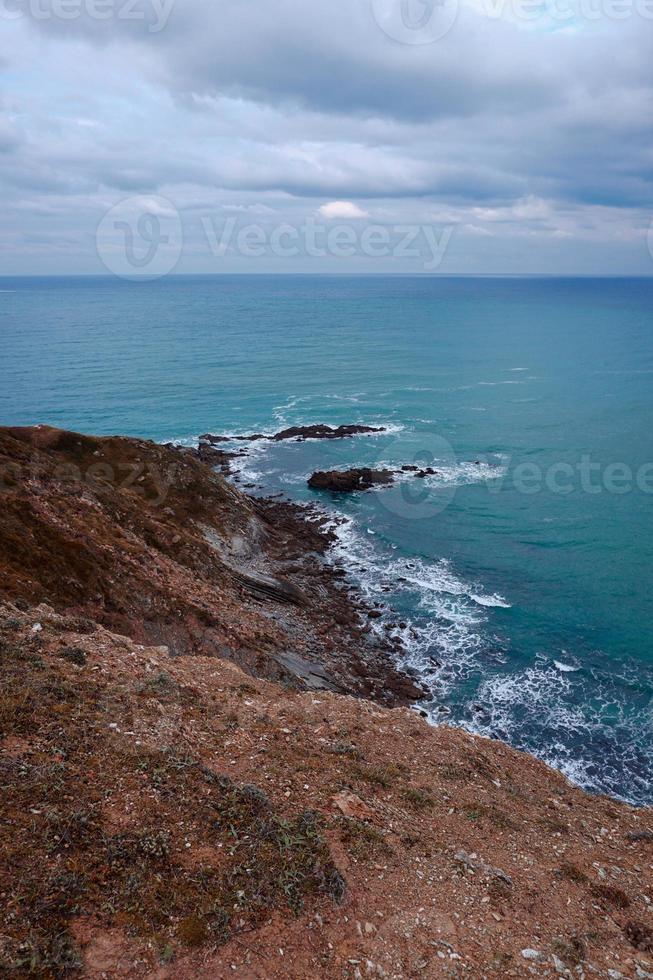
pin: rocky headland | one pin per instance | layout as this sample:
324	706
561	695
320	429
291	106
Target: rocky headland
210	766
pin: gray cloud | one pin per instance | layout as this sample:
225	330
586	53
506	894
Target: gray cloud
249	105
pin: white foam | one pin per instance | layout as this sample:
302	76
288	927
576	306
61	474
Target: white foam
443	642
494	384
184	441
248	466
495	600
453	474
541	708
279	412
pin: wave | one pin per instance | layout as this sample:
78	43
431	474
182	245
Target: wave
453	474
442	638
494	384
576	720
565	668
496	601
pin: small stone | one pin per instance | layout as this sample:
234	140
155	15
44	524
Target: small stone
531	954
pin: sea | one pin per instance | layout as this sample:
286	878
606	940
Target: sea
519	573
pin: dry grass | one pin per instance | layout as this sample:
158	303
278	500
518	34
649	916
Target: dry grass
60	860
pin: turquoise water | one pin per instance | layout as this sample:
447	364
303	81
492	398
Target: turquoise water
527	610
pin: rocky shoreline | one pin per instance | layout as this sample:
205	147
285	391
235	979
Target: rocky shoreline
209	765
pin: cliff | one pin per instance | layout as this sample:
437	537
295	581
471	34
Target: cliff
209	768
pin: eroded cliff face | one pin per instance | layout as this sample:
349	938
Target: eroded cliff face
151	542
180	801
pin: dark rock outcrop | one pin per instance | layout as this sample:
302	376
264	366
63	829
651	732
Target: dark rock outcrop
318	431
324	432
346	481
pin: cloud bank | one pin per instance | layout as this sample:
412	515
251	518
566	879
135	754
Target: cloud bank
528	135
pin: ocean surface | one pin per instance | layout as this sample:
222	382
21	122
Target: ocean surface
521	570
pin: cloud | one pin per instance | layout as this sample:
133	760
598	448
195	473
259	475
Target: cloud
341	209
515	134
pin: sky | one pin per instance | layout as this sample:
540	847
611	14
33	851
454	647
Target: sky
144	137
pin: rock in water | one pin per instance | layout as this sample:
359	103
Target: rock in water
319	431
324	432
346	481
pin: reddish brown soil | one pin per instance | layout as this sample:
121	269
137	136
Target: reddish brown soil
177	817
